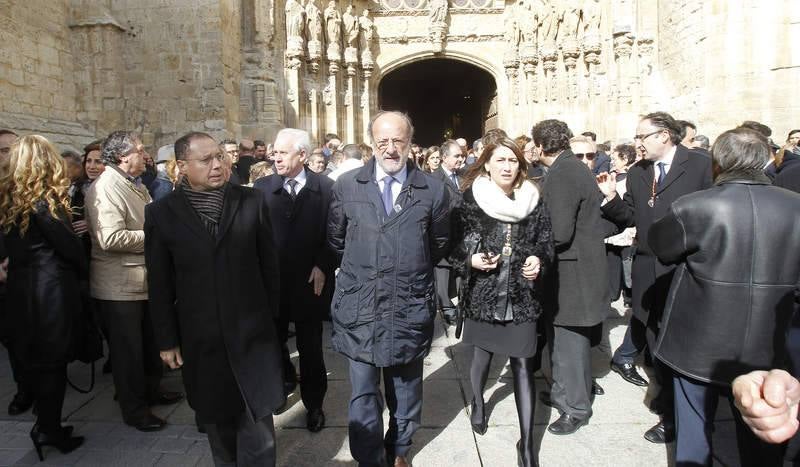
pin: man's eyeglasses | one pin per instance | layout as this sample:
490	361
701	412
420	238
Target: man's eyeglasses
383	144
643	137
588	155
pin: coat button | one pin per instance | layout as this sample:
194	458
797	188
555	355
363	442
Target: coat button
378	318
380	274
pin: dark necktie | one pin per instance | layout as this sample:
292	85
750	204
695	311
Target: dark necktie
454	178
292	188
388	202
661	173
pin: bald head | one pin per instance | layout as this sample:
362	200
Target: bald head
391	134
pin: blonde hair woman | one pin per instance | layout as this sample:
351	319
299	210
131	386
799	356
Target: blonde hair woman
46	261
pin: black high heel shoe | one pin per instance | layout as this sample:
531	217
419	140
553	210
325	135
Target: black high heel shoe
61	440
480	426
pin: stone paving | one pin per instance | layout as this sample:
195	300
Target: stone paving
612	438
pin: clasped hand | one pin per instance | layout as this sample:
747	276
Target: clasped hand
486	262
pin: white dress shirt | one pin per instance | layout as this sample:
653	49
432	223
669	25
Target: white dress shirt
397	186
301	182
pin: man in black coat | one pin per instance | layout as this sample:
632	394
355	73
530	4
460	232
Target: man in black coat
580	299
389	223
212	269
448	173
668	171
733	295
298	201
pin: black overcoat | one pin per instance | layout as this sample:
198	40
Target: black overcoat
690	172
384	304
47	272
299	228
578	291
216	299
456	198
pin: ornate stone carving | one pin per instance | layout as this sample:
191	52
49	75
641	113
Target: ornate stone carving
645	47
511	65
351	60
548	29
450	38
451	11
333	32
571	53
530	59
350	23
592	18
295	23
570	19
367	28
328	91
437	16
623	49
549	64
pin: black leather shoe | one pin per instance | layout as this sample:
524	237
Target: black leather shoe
21	403
566	425
315	420
167	398
597	390
148	423
628	373
661	433
478	420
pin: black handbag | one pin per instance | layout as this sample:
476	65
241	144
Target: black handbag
472	244
87	341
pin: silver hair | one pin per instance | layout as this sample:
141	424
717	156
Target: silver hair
402	115
702	140
449	148
740	151
300	138
118	144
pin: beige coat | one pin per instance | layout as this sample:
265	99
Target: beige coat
115	213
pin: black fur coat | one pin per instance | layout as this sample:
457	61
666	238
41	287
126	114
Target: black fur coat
532	236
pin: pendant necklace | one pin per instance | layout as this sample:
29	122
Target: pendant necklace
507	246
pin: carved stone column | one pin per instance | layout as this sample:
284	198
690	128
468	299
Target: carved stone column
437	32
314	55
351	60
366	105
645	46
571	52
530	59
330	94
592	50
511	65
549	63
623	48
313	104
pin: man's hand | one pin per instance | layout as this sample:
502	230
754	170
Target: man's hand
768	403
484	262
318	278
80	227
607	182
531	268
172	358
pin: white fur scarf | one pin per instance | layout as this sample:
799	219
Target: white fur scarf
495	203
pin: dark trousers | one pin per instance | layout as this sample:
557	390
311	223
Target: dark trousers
571	364
445	287
242	442
48	382
134	355
314	376
633	343
403	385
695	407
616	274
793	351
17	370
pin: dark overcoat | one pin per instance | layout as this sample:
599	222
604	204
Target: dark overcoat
578	291
384	304
690	172
47	273
733	294
216	298
299	228
531	236
456	198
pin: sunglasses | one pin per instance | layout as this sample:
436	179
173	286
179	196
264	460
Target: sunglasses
589	155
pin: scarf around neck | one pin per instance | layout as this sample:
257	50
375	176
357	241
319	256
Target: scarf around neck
207	204
496	204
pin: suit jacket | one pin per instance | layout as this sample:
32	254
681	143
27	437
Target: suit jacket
602	163
579	288
299	227
456	198
216	299
789	178
690	172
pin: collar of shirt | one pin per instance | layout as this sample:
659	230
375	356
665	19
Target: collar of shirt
667	159
300	179
399	176
135	180
448	173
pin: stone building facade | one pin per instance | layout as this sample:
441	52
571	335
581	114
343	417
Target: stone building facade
76	69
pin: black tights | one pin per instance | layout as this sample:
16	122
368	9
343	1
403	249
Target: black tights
523	370
49	384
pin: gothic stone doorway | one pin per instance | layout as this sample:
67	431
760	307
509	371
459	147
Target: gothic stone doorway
445	98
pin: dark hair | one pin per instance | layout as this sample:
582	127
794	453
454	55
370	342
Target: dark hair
590	134
5	131
757	127
70	154
522	140
605	147
330	136
792	132
552	135
244	148
684	124
184	142
228	141
352	151
477	169
118	144
259	142
665	121
740	151
627	151
703	140
444	149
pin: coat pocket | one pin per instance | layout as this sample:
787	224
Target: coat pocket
345	305
134	274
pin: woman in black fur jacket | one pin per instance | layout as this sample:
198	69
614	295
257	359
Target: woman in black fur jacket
503	241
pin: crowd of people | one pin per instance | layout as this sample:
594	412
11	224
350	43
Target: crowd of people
211	256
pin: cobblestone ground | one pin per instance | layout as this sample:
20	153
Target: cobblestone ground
612	438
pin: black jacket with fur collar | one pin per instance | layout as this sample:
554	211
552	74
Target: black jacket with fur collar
473	229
